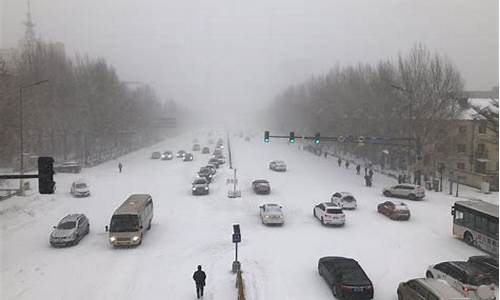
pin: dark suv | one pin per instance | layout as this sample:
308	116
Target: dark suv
486	263
345	277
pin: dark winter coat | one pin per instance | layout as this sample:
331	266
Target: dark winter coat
199	277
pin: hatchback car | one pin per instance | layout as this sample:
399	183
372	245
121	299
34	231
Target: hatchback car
70	230
410	191
200	186
167	155
395	210
277	165
271	213
188	157
345	278
427	289
465	277
261	186
329	213
488	264
155	155
80	188
205	150
344	199
196	147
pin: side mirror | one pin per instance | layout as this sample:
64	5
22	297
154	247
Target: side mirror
106	227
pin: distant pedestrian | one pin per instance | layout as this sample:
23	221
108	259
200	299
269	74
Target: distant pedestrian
339	161
403	178
368	180
400	178
370	173
347	164
120	166
326	154
358	168
199	278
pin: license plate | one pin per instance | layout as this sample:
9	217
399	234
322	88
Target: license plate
357	289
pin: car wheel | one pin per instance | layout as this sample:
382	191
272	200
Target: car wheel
468	238
412	197
387	194
322	221
149	225
334	291
429	274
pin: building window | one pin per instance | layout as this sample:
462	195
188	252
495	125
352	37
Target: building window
482	128
481	148
462	129
460	148
461	166
480	167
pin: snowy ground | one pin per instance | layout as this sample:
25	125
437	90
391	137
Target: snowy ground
278	262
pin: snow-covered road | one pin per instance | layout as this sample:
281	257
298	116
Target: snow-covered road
278	262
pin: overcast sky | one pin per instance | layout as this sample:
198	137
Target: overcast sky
234	51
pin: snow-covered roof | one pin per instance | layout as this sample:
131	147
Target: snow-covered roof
470	113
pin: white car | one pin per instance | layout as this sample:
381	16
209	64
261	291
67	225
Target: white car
405	190
345	199
80	188
271	213
329	213
277	165
465	277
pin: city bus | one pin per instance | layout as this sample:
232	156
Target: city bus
476	222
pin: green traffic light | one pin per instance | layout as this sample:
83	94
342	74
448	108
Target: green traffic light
266	140
316	142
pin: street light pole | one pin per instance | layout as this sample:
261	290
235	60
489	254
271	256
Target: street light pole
409	94
21	114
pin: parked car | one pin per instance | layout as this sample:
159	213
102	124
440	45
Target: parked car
488	264
345	278
277	165
70	230
68	167
261	186
395	210
80	188
205	150
196	147
329	213
215	162
465	277
271	213
345	199
427	289
200	186
188	157
405	190
167	155
155	155
181	153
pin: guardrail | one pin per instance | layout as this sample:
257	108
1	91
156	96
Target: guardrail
240	286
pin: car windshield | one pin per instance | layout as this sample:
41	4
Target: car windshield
334	211
355	276
124	223
80	185
200	181
67	225
480	279
348	199
273	208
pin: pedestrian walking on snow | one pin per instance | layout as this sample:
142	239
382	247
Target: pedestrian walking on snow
120	166
199	278
347	164
358	168
370	173
326	154
400	179
339	161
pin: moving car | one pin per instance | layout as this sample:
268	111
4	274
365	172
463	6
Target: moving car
205	150
196	147
212	168
181	153
214	161
488	264
465	277
405	190
329	213
131	220
277	165
395	210
206	172
345	278
261	186
188	157
427	289
68	167
271	213
155	155
80	188
200	186
167	155
345	199
70	230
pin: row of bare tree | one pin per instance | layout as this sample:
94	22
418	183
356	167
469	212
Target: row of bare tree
404	99
83	111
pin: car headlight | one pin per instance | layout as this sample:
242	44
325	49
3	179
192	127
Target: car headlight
112	239
266	216
194	189
281	217
206	188
135	238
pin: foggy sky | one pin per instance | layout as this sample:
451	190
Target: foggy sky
211	53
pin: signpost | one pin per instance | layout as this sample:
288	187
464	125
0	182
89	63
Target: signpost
236	240
234	193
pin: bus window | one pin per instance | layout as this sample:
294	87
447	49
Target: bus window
468	219
493	229
459	217
481	224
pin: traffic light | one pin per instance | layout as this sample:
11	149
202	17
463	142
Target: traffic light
46	184
291	139
316	138
266	136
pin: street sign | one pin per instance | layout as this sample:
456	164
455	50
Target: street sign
231	180
236	238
